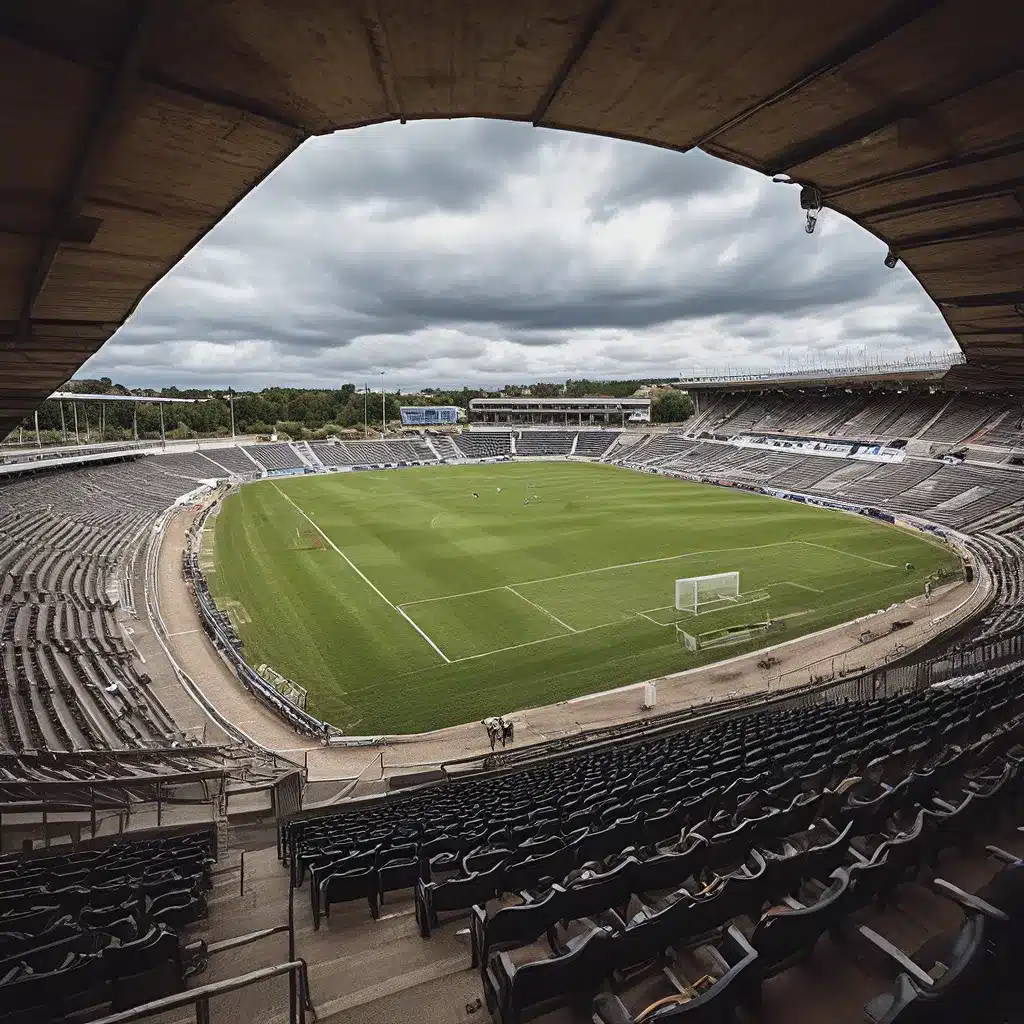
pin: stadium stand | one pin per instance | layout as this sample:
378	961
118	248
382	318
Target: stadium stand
372	453
188	466
444	446
544	442
659	447
275	456
483	444
724	853
1008	430
72	682
962	419
744	842
871	416
232	460
101	928
593	444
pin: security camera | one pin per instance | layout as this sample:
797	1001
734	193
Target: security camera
891	259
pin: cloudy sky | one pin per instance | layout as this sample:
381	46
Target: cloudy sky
483	252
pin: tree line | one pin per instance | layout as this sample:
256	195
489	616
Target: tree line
296	413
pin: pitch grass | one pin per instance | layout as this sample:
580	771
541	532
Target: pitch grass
532	603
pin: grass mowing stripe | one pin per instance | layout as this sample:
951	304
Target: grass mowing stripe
360	573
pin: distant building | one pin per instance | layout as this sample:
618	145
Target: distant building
429	415
560	412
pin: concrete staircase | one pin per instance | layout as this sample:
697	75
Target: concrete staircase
359	970
307	455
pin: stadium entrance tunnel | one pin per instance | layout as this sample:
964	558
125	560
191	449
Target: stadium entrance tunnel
929	157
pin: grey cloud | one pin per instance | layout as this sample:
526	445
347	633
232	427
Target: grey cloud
457	252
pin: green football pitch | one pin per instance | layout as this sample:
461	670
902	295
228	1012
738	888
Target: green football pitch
414	599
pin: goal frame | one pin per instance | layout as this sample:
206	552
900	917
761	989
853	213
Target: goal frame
689	589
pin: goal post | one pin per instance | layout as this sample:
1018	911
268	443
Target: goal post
694	593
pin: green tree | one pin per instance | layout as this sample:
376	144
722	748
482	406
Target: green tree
671	406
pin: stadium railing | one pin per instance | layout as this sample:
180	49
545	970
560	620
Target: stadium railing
862	686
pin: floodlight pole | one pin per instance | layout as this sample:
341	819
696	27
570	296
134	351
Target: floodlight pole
63	423
135	419
39	444
366	393
383	412
74	409
231	406
163	438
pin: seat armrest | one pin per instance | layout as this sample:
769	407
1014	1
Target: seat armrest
968	900
880	942
1004	855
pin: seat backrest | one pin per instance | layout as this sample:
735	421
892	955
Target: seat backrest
824	859
580	971
668	870
347	885
784	934
462	893
589	896
522	924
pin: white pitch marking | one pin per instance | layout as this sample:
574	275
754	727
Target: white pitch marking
851	554
435	519
359	572
644	615
802	586
603	568
532	643
550	615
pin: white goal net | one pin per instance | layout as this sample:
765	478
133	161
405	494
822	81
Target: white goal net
695	593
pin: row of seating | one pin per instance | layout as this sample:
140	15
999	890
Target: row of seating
600	804
99	928
885	415
68	679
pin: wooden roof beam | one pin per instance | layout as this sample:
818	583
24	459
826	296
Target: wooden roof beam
860	128
1003	226
955	163
892	21
226	101
980	332
380	57
947	199
98	136
979	301
597	18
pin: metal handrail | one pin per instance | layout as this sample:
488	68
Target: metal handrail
200	997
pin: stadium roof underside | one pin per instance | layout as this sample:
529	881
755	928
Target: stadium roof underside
130	127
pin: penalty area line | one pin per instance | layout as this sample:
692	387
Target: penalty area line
359	572
849	554
542	640
541	608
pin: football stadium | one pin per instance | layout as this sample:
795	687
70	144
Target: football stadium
531	707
